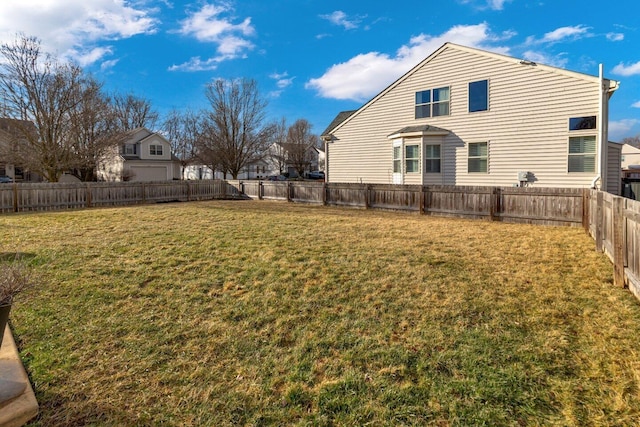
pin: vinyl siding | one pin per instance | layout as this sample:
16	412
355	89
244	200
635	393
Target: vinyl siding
526	125
614	174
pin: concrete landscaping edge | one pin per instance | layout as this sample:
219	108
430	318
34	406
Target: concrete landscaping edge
17	400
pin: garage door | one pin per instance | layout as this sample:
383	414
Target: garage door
149	173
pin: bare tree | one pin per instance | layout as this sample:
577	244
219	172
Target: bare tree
134	112
632	140
183	132
234	131
39	94
95	131
278	153
300	146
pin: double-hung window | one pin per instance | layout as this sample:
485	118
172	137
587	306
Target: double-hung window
478	158
397	159
432	103
129	149
412	158
432	158
479	96
582	153
155	149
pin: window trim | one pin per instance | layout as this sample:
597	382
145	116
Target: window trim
469	157
153	150
469	96
593	153
397	160
408	159
428	159
431	103
134	149
595	124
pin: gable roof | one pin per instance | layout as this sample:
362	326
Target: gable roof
419	130
341	117
611	86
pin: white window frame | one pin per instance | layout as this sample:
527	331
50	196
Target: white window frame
470	157
431	103
414	160
397	158
153	150
129	150
428	159
583	154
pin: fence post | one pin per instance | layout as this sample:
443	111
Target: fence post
599	220
422	198
260	190
585	209
289	191
367	201
88	195
618	241
15	196
495	204
324	194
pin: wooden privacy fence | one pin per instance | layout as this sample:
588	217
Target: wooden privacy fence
59	196
550	206
614	223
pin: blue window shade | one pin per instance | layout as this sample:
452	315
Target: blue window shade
423	97
479	96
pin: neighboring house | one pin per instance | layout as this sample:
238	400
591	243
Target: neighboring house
631	158
284	156
10	143
321	158
256	170
144	156
464	116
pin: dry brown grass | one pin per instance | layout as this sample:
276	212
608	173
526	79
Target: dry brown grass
266	313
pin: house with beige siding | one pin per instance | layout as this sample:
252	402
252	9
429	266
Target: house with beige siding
143	156
465	116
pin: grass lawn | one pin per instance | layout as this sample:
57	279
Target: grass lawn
268	313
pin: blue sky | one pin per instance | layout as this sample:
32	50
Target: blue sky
312	59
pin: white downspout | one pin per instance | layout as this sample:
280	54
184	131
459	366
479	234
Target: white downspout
602	144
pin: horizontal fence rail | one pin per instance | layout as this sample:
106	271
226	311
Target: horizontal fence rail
549	206
614	223
60	196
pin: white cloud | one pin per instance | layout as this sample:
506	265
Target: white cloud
73	28
561	34
490	4
340	18
620	128
282	80
496	4
197	64
541	58
626	70
364	75
108	64
636	104
564	33
615	37
208	25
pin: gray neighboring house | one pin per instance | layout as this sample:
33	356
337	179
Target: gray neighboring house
144	156
464	116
